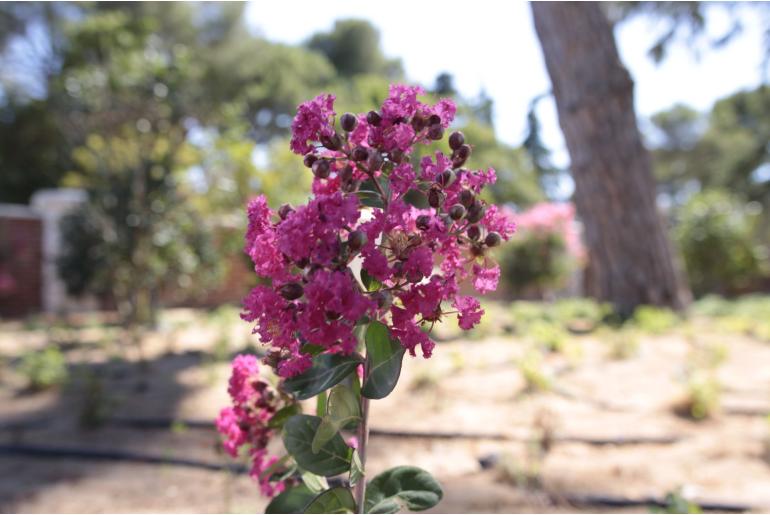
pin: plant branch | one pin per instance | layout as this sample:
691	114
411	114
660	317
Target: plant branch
359	491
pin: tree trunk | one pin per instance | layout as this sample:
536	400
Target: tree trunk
630	257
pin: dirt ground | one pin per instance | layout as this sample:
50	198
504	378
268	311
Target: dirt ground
545	451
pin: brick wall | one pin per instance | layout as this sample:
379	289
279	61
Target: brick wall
20	263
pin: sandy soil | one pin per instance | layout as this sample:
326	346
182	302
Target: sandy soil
469	386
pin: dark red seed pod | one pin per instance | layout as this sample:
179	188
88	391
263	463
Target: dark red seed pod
457	211
466	198
333	142
435	132
475	212
356	240
346	174
291	291
456	139
493	239
463	152
436	197
423	222
348	122
419	122
396	156
474	232
284	211
321	168
374	161
359	153
309	160
445	178
434	119
373	118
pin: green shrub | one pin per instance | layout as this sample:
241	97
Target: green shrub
716	233
653	319
44	369
534	262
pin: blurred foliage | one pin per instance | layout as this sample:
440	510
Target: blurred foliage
44	368
716	233
654	319
353	48
534	262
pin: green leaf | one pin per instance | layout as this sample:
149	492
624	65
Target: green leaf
402	488
369	282
334	500
356	469
315	483
283	414
327	429
292	500
370	198
416	198
313	350
342	409
384	355
331	459
327	371
320	404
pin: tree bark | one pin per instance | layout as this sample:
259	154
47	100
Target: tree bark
631	261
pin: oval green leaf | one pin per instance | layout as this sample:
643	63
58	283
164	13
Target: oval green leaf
384	355
331	459
334	500
402	488
327	371
292	500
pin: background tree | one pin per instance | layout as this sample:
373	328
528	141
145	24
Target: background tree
630	257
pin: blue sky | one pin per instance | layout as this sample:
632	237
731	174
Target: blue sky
492	44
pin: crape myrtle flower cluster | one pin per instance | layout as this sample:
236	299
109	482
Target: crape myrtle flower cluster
418	230
246	423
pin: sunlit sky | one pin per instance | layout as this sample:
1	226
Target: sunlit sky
491	44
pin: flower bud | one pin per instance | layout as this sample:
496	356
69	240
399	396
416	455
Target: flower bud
291	291
475	212
346	174
374	161
467	197
434	119
348	122
309	160
414	276
359	153
492	240
445	178
457	211
373	118
332	315
419	122
356	240
463	151
396	155
284	211
436	197
435	132
477	250
474	233
422	222
456	139
302	263
321	168
383	298
332	142
350	186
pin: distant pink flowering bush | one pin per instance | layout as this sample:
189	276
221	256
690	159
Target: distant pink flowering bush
374	259
554	217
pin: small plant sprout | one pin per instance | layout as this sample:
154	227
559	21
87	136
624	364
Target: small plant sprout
351	282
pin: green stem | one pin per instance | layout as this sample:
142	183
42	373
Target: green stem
359	491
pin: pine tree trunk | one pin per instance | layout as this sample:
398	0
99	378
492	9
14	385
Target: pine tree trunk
630	257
